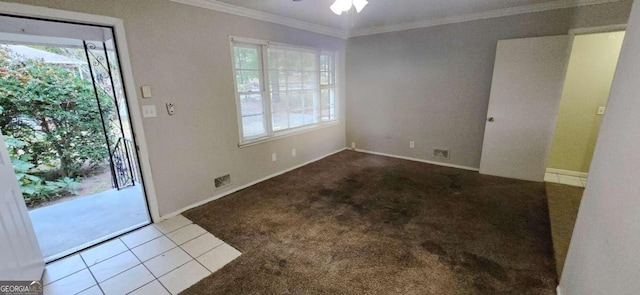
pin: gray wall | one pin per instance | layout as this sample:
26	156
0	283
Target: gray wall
183	52
432	85
603	256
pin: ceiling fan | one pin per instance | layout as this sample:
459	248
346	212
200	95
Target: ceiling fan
341	6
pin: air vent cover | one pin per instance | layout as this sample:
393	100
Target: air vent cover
441	154
223	181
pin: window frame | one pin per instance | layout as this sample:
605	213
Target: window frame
265	91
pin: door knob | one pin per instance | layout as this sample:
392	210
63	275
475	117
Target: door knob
490	119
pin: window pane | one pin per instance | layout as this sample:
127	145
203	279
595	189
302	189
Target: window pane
327	104
324	97
251	104
324	63
280	120
296	118
309	61
279	102
310	116
324	78
253	126
293	60
295	100
309	80
248	81
309	97
275	59
246	58
332	96
294	80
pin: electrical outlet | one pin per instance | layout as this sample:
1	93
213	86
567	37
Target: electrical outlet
274	157
353	145
412	144
601	110
293	152
149	111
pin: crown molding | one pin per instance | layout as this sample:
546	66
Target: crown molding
263	16
560	4
342	34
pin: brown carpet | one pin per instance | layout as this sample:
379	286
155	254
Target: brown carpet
564	202
354	223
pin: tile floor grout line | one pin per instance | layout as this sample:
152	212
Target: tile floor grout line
75	272
142	263
94	277
196	258
130	250
152	274
102	244
153	224
187	241
151	258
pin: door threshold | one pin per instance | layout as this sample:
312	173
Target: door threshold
95	242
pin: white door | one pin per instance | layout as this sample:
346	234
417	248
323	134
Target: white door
525	95
20	255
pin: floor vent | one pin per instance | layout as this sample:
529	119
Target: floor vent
223	181
441	154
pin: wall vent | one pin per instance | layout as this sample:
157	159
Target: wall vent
223	181
441	154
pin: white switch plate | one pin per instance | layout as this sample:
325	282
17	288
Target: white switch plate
146	91
412	144
274	157
149	111
294	152
601	110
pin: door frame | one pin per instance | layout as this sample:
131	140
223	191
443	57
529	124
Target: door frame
572	35
22	10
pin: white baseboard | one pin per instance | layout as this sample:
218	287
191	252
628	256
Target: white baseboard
167	216
568	172
559	290
419	160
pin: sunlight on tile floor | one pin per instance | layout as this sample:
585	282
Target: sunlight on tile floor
163	258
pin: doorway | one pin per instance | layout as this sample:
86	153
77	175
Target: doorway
592	65
65	121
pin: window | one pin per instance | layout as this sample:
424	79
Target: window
282	88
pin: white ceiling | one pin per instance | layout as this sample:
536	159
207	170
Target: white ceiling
386	15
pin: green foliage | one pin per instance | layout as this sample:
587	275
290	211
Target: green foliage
53	111
34	188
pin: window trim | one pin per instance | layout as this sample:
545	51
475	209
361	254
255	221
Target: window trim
270	134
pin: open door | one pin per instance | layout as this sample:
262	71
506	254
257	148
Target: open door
527	85
20	255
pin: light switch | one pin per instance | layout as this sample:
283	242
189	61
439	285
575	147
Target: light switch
601	110
149	111
146	91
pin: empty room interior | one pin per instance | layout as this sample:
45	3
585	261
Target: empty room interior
320	147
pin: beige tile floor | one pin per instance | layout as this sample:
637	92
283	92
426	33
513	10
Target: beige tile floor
565	179
162	258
